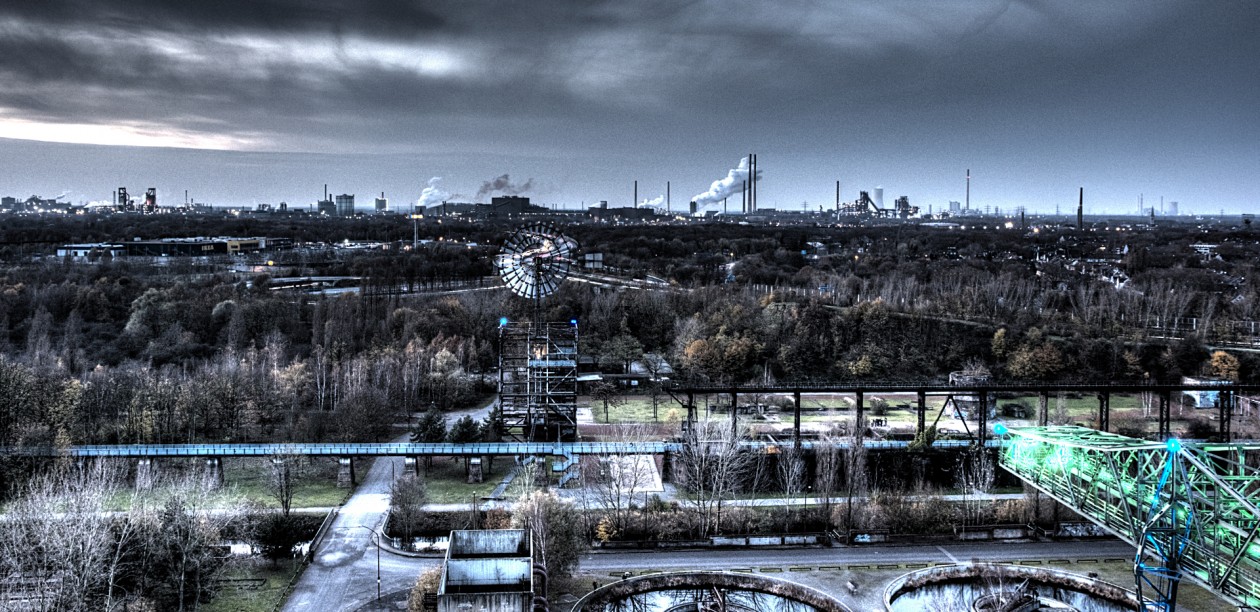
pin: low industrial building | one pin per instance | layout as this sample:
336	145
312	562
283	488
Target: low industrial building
489	569
176	247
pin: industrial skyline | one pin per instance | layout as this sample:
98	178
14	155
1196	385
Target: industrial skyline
571	104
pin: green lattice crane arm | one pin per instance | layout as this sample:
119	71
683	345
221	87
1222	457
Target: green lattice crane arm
1190	509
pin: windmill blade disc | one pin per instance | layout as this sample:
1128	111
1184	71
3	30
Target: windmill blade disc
535	260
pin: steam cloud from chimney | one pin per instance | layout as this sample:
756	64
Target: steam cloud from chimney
656	202
433	194
722	188
503	184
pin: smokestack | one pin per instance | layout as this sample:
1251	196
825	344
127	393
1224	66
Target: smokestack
743	195
967	206
753	202
185	198
1080	210
667	197
325	191
837	196
636	194
693	207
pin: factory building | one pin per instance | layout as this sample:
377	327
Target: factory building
382	204
176	247
345	205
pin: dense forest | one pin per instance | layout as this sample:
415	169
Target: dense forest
131	350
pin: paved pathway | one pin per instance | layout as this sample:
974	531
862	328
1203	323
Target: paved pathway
344	573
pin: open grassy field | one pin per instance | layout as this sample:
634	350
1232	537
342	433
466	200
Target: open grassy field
446	480
823	412
253	584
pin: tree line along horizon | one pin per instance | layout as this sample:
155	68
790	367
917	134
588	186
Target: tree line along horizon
131	352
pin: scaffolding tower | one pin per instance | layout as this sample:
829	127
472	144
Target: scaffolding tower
538	380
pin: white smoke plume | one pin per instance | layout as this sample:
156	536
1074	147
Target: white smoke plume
723	188
433	194
656	202
503	184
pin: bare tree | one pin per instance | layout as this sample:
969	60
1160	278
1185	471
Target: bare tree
1061	415
619	477
557	545
712	466
57	545
791	473
975	478
827	472
282	478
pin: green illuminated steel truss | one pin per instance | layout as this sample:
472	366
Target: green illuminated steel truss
1189	508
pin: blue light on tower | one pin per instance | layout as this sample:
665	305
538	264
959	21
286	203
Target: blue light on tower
1000	429
1173	445
573	322
502	321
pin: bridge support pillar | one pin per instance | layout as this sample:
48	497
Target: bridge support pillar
859	423
1226	399
475	474
411	465
734	413
982	425
1165	415
345	472
796	418
1043	409
1104	411
922	407
212	471
145	472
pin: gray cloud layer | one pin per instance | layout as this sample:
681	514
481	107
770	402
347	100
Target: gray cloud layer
549	78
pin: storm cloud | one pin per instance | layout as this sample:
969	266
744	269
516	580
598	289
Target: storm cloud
595	94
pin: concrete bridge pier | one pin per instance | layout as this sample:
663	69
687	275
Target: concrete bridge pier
213	472
476	475
345	472
411	465
145	472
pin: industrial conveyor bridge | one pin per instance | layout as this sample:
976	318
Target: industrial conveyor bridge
401	449
1189	508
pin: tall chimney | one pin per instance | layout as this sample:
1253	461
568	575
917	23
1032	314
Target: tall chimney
667	197
693	207
753	206
967	206
743	195
636	194
1080	210
837	196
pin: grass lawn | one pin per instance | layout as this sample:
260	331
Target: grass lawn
317	481
253	584
447	483
821	411
245	482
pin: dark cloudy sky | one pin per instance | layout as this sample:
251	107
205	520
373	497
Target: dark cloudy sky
243	101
